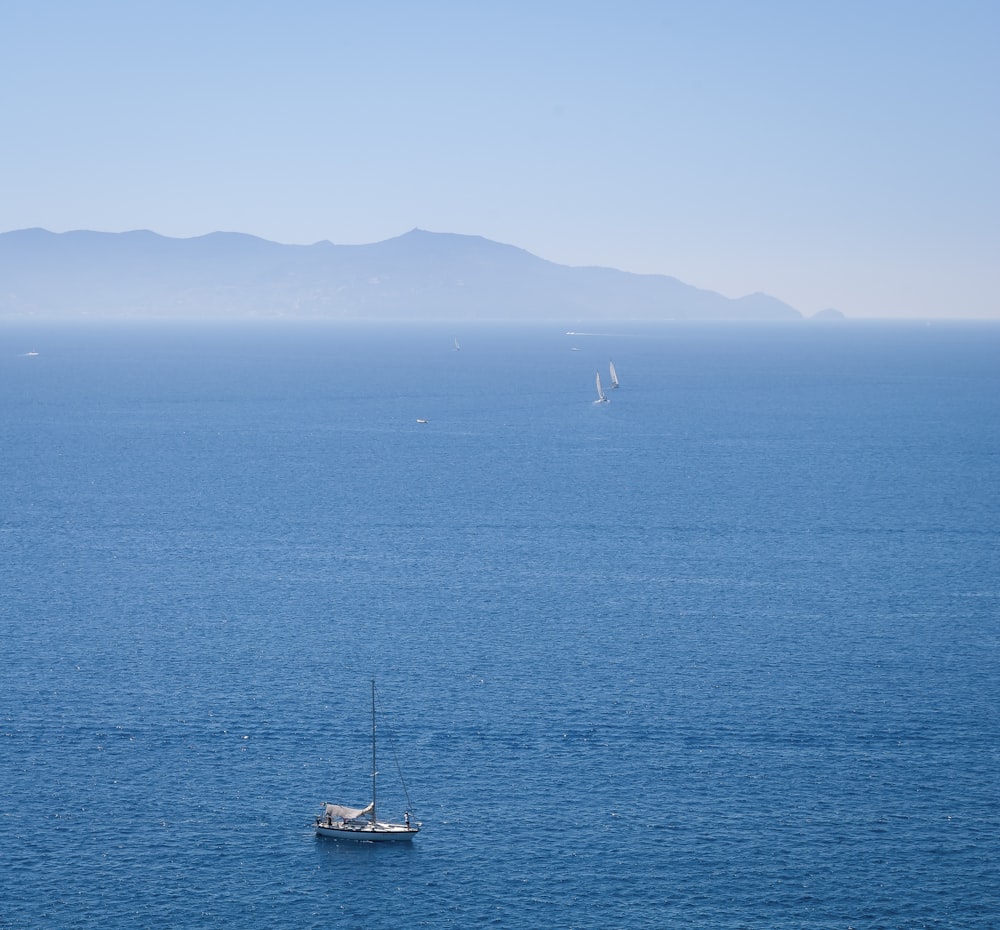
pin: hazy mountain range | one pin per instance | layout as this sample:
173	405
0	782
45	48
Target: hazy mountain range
416	276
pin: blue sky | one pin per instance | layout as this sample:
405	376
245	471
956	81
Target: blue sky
838	153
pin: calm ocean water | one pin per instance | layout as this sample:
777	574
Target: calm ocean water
722	653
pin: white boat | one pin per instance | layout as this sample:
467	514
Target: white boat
458	348
361	824
614	376
602	398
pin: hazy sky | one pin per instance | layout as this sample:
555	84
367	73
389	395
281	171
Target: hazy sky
829	152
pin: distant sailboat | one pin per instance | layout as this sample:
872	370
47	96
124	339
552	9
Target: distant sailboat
458	348
360	823
602	398
614	376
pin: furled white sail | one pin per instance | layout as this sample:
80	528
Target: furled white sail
339	812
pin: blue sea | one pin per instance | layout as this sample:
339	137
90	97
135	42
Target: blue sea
722	653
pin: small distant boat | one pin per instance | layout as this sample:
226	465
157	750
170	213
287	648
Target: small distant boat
360	824
602	398
419	420
458	348
31	354
614	376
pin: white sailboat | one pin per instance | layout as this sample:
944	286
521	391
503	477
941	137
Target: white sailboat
361	823
614	376
458	348
602	398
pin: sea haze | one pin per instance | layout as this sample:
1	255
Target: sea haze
722	653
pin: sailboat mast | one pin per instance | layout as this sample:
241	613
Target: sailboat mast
374	769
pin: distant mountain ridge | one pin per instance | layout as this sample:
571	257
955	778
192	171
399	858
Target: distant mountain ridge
417	276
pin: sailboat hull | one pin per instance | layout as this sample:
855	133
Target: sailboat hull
369	833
